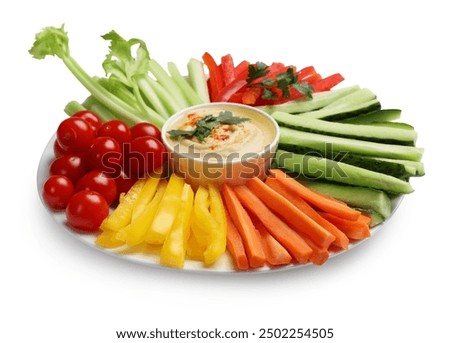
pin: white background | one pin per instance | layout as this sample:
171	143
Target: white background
391	288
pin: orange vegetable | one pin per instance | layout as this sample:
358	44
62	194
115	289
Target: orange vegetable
295	244
295	218
319	255
235	245
324	203
341	239
354	229
252	241
276	254
365	218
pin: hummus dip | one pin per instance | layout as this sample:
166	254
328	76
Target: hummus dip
226	141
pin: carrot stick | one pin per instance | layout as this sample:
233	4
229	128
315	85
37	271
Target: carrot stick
365	218
319	255
276	254
252	243
295	218
324	203
354	229
293	243
235	245
341	239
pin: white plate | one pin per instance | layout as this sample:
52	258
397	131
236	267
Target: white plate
223	265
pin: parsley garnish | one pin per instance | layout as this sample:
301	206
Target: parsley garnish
257	70
204	126
283	81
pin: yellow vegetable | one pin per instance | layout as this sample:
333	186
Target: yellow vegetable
218	233
147	194
135	232
121	216
108	240
174	249
166	212
194	249
209	226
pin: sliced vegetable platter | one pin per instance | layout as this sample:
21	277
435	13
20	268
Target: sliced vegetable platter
342	166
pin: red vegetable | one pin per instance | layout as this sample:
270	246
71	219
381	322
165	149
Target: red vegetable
105	154
75	135
91	118
72	166
145	129
86	210
115	129
228	70
144	156
98	181
215	75
57	191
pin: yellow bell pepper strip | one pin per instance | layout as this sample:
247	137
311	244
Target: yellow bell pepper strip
145	197
108	240
173	251
166	212
135	232
121	216
194	249
218	233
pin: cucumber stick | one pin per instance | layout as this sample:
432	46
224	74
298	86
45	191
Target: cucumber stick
318	100
393	135
374	117
321	142
323	168
396	168
359	197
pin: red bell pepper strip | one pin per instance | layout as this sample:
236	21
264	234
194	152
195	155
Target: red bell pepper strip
227	92
250	95
215	75
305	73
327	83
241	67
228	70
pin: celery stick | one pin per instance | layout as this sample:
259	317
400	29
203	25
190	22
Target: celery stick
166	98
197	79
73	107
168	83
150	94
190	94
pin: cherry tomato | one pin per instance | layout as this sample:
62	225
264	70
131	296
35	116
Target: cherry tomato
58	150
57	191
144	155
104	154
72	166
98	181
145	129
92	119
115	129
124	182
86	210
75	135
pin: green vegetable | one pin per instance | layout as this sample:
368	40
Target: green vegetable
322	168
257	70
53	41
318	100
283	81
320	143
197	79
359	197
204	126
373	133
383	115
